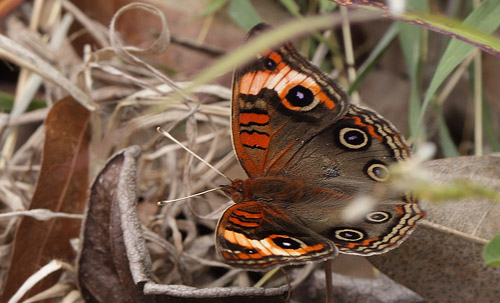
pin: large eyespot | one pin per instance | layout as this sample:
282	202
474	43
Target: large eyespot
299	96
349	234
378	217
353	138
377	170
270	64
286	243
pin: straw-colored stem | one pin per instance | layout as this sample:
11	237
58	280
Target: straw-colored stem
349	52
478	101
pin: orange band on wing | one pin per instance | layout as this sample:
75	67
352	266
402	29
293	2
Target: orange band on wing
247	118
275	57
255	140
370	128
247	215
316	89
241	223
314	247
364	243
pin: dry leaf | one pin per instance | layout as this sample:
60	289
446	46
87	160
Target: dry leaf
61	187
442	260
103	269
354	290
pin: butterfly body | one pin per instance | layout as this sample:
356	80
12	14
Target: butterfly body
309	155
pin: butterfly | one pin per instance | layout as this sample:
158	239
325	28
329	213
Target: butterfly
308	154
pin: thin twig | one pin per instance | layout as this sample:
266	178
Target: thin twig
329	281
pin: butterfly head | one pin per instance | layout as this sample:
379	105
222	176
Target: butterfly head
235	190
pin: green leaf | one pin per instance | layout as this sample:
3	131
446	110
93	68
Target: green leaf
375	54
7	103
412	40
445	141
327	6
492	252
485	19
292	7
244	14
213	6
488	125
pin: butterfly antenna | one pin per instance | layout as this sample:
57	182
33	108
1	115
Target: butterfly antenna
166	134
160	203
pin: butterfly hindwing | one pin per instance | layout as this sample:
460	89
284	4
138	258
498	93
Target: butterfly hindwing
258	237
351	158
381	229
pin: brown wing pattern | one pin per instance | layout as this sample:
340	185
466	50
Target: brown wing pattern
279	102
351	157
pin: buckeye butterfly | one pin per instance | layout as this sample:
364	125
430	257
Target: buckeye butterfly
308	154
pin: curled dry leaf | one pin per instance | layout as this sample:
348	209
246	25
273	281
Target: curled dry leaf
114	255
442	260
103	270
61	187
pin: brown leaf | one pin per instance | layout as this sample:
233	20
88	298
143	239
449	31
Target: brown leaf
442	260
105	267
61	187
103	270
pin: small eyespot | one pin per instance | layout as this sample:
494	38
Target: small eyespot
250	251
299	96
349	234
270	64
377	170
378	217
286	243
353	138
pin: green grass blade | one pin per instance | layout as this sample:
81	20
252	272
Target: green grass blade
292	7
375	54
327	6
489	128
243	13
484	18
412	40
7	103
467	32
445	141
213	6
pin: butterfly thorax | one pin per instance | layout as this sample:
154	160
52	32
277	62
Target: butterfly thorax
266	189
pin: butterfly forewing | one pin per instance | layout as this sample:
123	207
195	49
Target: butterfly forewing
274	96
